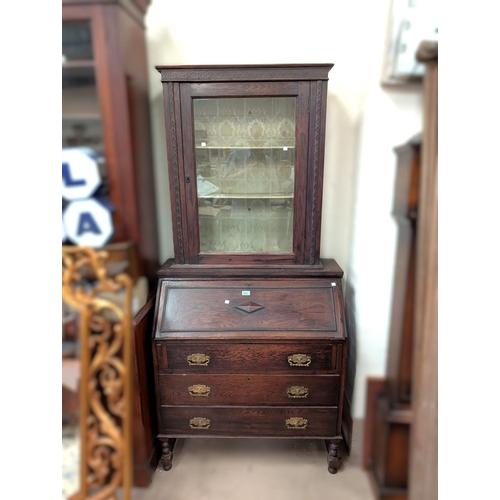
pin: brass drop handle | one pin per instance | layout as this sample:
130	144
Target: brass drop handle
299	360
198	360
199	423
296	423
199	390
297	391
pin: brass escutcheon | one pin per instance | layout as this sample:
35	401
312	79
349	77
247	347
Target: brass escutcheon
296	423
297	391
299	360
199	423
198	359
199	390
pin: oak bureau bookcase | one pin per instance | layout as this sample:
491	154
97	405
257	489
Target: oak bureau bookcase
249	335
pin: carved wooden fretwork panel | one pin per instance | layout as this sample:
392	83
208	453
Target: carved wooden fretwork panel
106	365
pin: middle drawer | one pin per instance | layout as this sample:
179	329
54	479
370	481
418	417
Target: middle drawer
211	390
233	357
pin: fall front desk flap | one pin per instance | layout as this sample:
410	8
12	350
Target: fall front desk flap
272	306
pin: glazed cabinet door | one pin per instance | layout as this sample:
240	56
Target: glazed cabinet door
245	148
242	171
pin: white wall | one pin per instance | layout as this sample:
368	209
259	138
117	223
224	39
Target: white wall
364	123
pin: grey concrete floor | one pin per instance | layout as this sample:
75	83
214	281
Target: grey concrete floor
262	469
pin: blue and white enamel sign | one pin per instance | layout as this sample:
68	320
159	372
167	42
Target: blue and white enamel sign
88	223
80	173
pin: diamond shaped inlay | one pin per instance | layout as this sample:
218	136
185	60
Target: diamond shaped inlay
249	307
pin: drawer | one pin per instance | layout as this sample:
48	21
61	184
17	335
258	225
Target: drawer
240	421
210	390
194	357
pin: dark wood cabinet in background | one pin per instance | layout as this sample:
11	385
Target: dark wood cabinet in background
105	106
249	336
389	402
401	437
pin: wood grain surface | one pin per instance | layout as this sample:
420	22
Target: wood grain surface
236	357
320	390
249	421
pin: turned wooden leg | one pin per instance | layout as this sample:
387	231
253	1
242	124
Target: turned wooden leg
333	457
166	453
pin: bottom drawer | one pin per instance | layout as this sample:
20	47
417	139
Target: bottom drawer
240	421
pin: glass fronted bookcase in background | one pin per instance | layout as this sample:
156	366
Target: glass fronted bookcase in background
81	113
105	107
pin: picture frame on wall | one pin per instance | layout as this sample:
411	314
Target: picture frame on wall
410	22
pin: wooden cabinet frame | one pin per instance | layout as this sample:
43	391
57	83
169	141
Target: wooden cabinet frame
308	84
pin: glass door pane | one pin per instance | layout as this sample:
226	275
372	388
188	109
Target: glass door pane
245	153
77	41
81	114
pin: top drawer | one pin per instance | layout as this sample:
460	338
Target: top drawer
191	308
233	357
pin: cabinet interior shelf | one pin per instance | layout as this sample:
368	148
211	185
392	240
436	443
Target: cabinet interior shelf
251	196
79	63
81	116
245	147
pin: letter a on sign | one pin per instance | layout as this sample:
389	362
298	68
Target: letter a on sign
88	223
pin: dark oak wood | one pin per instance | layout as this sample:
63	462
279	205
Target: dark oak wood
305	83
188	91
232	89
275	306
390	447
346	423
245	73
250	344
249	421
250	389
145	446
238	357
374	387
333	456
326	268
405	211
424	437
389	400
167	455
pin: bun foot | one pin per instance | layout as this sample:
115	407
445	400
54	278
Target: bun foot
166	453
333	456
